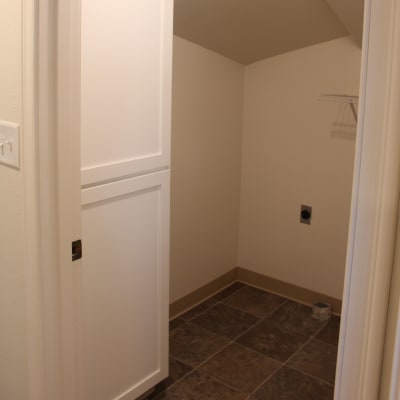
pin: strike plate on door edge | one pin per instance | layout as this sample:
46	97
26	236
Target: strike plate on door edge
76	250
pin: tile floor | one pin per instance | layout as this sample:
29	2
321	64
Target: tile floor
247	344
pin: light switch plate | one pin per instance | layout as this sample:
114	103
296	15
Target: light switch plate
9	144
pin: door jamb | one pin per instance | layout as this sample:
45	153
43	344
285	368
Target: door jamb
31	193
374	211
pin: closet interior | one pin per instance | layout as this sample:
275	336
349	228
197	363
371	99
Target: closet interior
264	121
264	108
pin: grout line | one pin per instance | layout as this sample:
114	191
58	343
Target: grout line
262	317
247	330
284	364
200	313
213	294
174	383
298	350
287	297
232	341
224	383
277	308
313	337
268	378
214	354
225	299
311	376
217	301
213	377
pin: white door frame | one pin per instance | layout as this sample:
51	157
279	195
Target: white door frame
374	208
39	163
390	383
31	190
373	218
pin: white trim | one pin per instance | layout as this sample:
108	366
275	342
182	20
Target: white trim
374	211
47	161
395	367
390	384
166	79
32	255
122	169
69	201
120	188
390	381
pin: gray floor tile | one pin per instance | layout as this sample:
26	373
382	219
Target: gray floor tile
255	301
270	339
177	370
197	386
173	324
240	368
268	330
199	309
298	318
288	384
330	334
223	294
226	321
192	344
316	359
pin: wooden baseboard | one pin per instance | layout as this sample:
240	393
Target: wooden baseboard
287	290
185	303
284	289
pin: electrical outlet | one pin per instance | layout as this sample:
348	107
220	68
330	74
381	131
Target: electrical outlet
9	144
305	214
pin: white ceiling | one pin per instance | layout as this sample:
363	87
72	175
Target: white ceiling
251	30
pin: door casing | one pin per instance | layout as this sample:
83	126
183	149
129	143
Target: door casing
374	209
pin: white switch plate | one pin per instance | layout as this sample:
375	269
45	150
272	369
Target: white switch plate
9	144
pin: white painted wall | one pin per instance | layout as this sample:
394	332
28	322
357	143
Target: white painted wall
298	150
13	348
205	167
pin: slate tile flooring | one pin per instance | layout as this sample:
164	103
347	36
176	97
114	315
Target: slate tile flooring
247	344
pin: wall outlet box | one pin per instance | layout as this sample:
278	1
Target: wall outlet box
305	214
9	144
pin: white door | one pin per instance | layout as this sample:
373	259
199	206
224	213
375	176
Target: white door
114	94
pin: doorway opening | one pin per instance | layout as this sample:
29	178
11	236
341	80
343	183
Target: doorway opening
263	125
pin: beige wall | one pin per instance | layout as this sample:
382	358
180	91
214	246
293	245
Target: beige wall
298	150
205	168
13	354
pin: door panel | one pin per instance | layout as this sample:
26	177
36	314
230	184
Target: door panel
125	87
114	110
123	287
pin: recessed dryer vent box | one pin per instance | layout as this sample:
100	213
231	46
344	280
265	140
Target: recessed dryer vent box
305	214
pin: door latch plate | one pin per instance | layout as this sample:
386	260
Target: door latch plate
76	250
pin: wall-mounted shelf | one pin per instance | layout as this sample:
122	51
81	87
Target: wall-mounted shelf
342	98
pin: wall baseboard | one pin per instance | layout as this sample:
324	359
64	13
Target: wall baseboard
238	274
287	290
204	292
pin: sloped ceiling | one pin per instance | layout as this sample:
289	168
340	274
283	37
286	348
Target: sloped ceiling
351	13
251	30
